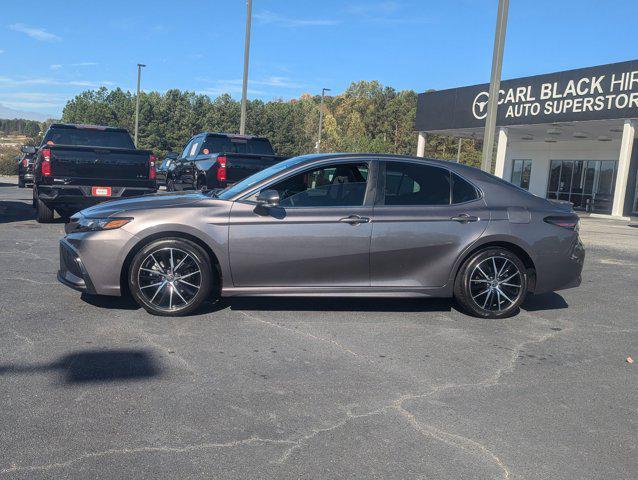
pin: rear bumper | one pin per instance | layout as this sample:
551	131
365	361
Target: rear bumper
561	272
79	196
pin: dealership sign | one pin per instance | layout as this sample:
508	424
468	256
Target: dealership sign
595	93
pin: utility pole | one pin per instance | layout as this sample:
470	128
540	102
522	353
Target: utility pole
495	85
318	145
244	88
137	100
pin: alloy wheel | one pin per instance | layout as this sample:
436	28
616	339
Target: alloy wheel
496	284
169	278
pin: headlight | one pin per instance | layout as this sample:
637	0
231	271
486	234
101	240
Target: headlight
86	224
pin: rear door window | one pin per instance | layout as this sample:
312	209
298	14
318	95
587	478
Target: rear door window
416	184
462	190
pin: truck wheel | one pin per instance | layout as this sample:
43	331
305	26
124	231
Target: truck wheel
201	184
44	213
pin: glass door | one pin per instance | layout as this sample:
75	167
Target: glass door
587	184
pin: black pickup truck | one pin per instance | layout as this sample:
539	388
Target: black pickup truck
216	160
77	166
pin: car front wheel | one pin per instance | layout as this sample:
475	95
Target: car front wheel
492	283
170	277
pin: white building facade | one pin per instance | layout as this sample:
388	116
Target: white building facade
566	136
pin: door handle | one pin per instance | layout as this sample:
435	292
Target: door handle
354	220
465	218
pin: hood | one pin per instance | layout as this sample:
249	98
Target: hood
115	207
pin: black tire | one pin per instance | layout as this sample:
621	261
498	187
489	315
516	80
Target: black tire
491	283
44	214
170	185
176	297
20	182
200	184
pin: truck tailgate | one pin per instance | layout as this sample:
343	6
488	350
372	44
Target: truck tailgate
99	165
243	165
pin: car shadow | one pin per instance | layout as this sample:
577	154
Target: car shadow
11	211
95	366
336	304
109	302
306	304
5	184
545	301
15	211
533	303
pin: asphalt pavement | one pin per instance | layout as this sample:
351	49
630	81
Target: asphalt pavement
314	389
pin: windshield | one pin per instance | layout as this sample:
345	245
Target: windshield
88	137
246	183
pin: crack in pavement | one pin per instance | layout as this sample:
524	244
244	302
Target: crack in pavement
449	438
305	334
129	451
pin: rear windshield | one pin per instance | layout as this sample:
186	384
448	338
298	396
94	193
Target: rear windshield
88	138
257	146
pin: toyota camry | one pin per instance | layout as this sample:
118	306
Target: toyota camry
330	225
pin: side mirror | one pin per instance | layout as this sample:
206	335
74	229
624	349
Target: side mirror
268	198
28	149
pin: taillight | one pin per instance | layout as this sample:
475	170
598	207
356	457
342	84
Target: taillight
151	167
45	166
24	162
221	169
565	221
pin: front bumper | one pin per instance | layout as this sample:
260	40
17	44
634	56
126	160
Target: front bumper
72	272
92	261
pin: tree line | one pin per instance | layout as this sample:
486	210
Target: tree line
19	126
366	117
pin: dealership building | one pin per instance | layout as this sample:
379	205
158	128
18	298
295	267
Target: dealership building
568	135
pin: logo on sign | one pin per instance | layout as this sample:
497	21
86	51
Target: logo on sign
479	107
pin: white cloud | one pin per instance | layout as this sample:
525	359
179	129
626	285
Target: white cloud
35	32
268	17
58	66
13	82
236	83
372	8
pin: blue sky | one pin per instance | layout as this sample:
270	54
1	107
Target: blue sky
50	51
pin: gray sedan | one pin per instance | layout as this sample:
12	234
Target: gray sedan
330	225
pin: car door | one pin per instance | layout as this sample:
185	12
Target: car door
424	216
188	176
318	236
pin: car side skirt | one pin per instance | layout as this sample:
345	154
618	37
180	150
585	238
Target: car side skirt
406	292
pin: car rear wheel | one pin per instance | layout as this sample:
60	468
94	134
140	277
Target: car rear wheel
492	283
170	277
